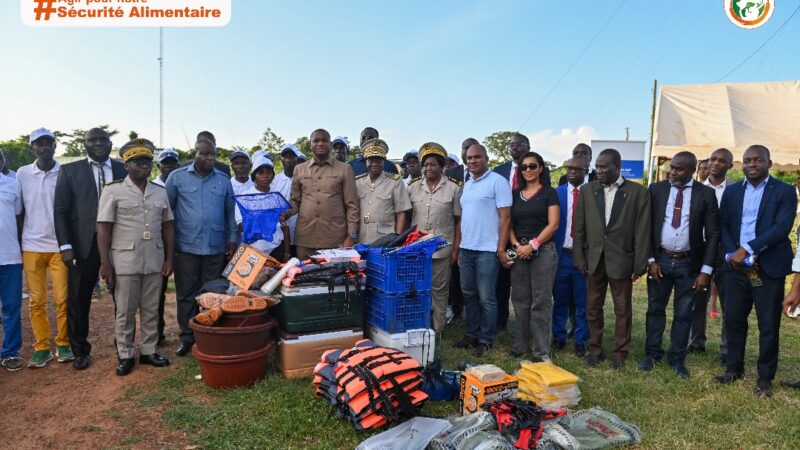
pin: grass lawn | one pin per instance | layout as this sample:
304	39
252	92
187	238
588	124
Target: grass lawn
672	413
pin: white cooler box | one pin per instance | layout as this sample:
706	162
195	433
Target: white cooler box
419	344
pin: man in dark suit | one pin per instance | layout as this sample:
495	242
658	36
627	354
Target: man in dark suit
219	165
685	216
757	216
517	146
461	174
612	244
569	288
581	151
78	189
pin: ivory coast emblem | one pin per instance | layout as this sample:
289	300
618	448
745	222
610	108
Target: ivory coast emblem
749	13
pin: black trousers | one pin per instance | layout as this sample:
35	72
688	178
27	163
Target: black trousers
700	314
456	297
740	298
191	273
676	277
161	300
82	280
503	293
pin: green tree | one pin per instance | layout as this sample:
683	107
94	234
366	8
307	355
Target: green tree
271	143
73	145
17	152
497	146
304	145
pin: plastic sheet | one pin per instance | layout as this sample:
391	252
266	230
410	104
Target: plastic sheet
414	434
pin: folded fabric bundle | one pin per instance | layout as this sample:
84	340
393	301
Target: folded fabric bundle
548	385
369	385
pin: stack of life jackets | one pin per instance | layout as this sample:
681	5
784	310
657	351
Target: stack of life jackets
369	385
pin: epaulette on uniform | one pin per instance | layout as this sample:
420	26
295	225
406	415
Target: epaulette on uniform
115	182
459	183
156	184
362	175
393	176
414	180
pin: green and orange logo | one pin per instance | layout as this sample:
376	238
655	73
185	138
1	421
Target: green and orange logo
749	13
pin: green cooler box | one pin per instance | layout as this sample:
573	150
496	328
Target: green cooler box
313	307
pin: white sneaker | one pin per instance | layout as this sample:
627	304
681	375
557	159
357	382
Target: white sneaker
449	315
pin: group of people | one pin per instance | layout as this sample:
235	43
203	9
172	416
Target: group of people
551	253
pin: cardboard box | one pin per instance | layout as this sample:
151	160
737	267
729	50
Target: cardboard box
474	392
246	265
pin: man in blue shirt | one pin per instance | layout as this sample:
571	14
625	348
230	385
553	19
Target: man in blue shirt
201	198
756	217
485	220
359	164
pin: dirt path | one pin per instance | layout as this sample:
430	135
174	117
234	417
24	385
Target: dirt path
60	407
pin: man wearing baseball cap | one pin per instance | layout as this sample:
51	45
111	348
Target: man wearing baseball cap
241	164
40	252
341	148
412	167
168	160
136	241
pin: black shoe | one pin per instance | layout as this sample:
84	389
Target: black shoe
697	349
763	389
647	364
617	363
681	370
516	355
185	348
594	360
571	333
729	377
791	384
155	360
467	341
161	340
580	350
125	366
481	349
82	362
558	345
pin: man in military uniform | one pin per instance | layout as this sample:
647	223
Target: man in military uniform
134	227
383	199
436	200
325	198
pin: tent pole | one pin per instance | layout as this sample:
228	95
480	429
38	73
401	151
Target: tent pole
652	129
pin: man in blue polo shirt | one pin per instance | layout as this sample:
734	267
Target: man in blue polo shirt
485	220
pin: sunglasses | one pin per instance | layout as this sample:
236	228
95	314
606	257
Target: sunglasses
526	167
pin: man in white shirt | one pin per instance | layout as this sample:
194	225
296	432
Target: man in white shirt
40	251
290	158
168	160
10	272
570	284
241	164
719	163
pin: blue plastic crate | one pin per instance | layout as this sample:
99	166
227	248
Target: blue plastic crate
398	272
398	312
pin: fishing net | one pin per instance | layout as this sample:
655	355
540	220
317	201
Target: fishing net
260	214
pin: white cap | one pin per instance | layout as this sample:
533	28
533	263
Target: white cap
260	161
168	153
343	140
239	152
293	148
41	132
454	158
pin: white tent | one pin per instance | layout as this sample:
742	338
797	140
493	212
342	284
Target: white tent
704	117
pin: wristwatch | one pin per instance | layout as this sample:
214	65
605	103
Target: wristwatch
353	236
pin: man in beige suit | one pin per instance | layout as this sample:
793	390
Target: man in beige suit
134	227
611	246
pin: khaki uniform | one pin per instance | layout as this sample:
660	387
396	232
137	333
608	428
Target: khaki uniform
325	198
137	255
434	212
378	204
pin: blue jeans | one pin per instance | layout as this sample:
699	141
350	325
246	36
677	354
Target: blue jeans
478	280
677	278
11	299
569	283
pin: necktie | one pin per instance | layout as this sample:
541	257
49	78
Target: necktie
574	207
514	178
676	212
101	177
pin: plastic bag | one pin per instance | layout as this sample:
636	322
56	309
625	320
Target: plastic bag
597	428
411	435
434	384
